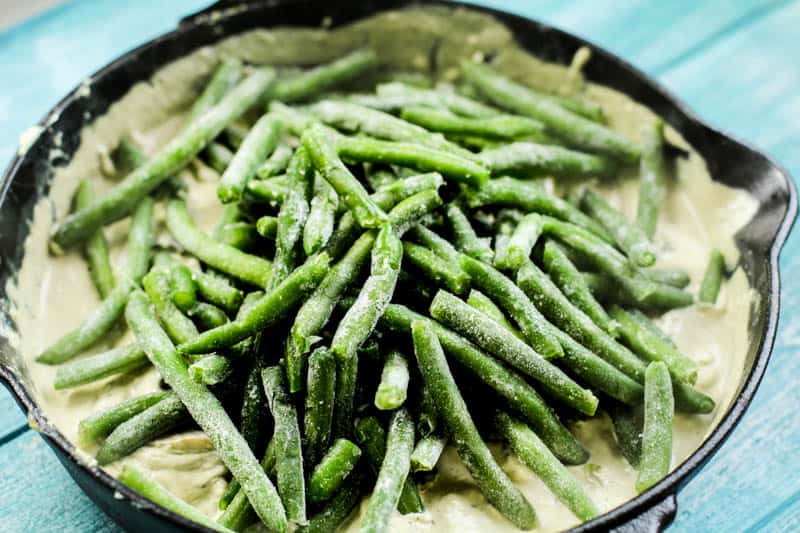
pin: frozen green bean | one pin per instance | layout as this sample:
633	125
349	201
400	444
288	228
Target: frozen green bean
123	198
332	471
630	238
493	482
712	280
89	369
96	248
393	387
657	432
466	240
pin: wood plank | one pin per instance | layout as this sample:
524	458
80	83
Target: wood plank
64	45
757	73
650	34
38	494
11	417
752	482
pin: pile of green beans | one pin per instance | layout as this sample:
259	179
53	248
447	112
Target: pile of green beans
403	290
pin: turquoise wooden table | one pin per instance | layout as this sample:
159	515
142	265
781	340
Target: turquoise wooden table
735	62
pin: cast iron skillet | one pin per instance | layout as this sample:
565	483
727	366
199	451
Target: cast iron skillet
729	161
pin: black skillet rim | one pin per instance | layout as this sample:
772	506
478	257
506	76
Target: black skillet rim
665	489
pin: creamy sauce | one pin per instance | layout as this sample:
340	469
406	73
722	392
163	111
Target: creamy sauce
53	294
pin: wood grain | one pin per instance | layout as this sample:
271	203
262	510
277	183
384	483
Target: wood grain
735	63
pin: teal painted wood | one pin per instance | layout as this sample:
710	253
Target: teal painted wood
12	421
732	62
38	495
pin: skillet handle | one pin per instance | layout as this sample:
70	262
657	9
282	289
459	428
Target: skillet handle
653	520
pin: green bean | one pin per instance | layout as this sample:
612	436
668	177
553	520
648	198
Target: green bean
359	321
392	475
712	279
259	143
393	387
464	235
292	217
440	246
535	455
675	278
270	308
123	198
219	157
321	217
628	422
178	326
490	478
692	401
142	428
521	242
225	77
504	381
484	304
541	289
239	513
427	452
96	248
603	256
567	278
336	511
646	340
652	178
427	417
344	396
239	235
92	329
322	152
210	370
99	425
387	198
374	296
272	191
126	157
312	82
217	291
207	411
573	128
140	239
155	492
416	156
554	305
318	421
435	268
288	449
630	238
296	121
354	118
657	432
503	291
371	437
662	298
252	415
378	178
207	316
316	310
331	472
87	370
275	163
498	126
267	226
248	268
529	197
235	133
528	159
414	96
183	289
495	339
583	363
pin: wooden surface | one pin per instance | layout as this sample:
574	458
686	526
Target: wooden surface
734	62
